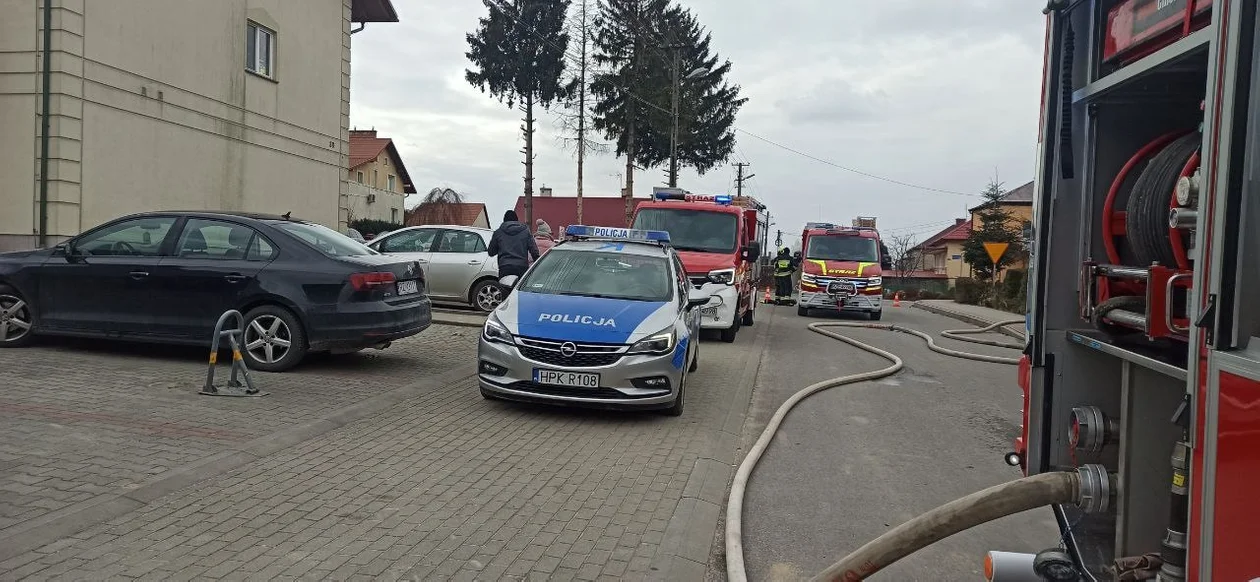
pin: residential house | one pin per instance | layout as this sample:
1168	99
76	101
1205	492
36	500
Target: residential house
180	104
462	214
1018	203
561	211
942	254
379	183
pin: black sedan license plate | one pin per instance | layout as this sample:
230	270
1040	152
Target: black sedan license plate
568	379
842	288
408	287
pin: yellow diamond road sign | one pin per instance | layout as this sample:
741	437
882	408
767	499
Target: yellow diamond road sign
995	250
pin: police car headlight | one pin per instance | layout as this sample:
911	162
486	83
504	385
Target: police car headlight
875	281
495	331
722	276
659	343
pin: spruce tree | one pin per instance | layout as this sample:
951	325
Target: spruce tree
518	57
993	223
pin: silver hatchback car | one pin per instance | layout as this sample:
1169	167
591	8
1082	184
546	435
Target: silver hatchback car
454	259
605	319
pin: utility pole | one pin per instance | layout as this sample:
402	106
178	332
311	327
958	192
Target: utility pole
740	178
581	131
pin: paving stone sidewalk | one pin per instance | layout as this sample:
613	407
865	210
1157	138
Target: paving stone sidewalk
83	422
447	485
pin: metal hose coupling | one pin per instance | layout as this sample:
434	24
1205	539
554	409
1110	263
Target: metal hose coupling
1096	488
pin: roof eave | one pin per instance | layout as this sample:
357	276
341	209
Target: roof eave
373	11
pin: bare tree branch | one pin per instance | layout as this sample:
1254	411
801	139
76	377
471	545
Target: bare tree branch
906	258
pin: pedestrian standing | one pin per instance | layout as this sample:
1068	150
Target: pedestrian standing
784	266
542	236
513	246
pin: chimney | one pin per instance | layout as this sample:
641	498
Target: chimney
959	221
545	192
363	133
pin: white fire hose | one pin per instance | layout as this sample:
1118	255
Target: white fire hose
910	536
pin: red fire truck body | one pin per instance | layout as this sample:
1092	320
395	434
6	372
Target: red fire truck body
1143	352
720	240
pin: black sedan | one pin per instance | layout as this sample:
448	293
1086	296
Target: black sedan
168	277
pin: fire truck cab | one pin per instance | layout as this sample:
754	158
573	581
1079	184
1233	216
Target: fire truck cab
1144	354
842	269
720	240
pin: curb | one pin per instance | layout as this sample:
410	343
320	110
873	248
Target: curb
36	533
687	543
973	320
458	318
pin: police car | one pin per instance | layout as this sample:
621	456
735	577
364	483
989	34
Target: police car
606	318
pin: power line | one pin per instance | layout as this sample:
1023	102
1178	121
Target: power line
498	6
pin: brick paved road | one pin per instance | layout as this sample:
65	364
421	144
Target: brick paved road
80	421
442	484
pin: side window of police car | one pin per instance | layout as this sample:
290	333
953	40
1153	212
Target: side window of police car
681	282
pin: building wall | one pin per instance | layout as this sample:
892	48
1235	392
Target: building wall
150	113
376	173
387	205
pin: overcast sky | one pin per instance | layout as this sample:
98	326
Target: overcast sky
935	93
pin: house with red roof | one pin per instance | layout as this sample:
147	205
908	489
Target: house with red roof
379	182
461	214
940	256
561	211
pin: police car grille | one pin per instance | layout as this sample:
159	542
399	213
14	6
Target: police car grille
587	356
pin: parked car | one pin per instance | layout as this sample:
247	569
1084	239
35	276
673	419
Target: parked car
356	236
169	276
454	261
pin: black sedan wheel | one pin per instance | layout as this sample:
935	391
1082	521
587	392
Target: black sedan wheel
274	339
16	319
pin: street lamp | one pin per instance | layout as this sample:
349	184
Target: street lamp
673	134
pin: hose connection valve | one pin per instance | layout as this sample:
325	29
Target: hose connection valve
1091	429
1096	488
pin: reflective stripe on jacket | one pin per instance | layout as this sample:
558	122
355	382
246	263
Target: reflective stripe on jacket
783	267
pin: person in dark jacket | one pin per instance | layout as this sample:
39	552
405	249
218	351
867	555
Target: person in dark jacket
513	244
784	266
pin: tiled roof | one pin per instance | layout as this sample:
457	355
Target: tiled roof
561	211
365	147
462	214
1020	196
957	231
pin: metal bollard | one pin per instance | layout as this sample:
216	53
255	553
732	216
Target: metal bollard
234	387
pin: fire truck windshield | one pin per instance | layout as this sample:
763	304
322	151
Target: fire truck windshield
692	230
842	248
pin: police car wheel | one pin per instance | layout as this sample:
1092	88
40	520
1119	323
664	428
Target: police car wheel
676	409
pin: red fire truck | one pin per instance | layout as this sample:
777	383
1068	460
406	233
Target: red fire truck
1139	362
720	240
842	268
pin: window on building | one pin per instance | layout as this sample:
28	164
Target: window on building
359	176
393	213
260	50
390	179
376	179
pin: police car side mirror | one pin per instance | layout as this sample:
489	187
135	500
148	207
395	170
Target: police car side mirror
695	300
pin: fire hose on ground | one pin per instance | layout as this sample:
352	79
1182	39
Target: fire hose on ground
1020	495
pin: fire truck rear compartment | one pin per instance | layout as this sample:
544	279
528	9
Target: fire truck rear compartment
1115	340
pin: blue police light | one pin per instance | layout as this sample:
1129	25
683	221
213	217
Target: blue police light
723	199
606	232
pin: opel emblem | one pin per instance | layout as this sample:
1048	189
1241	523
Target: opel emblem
567	349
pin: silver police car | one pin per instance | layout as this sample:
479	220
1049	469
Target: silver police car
606	318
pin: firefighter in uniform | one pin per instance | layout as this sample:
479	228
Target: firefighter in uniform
784	266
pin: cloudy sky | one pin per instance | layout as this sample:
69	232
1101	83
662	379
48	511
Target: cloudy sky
928	92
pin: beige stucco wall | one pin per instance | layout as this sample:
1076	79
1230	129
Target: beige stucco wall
387	205
152	113
380	169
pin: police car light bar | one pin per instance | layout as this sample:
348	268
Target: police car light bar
606	232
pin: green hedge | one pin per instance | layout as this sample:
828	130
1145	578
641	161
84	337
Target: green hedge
367	226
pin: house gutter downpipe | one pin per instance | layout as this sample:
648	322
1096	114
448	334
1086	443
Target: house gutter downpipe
45	126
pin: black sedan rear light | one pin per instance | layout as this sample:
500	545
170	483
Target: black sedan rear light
369	281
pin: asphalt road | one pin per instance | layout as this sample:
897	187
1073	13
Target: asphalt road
852	462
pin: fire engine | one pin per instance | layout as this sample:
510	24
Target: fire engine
720	240
1139	363
842	268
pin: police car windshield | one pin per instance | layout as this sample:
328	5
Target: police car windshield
612	275
842	248
691	230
